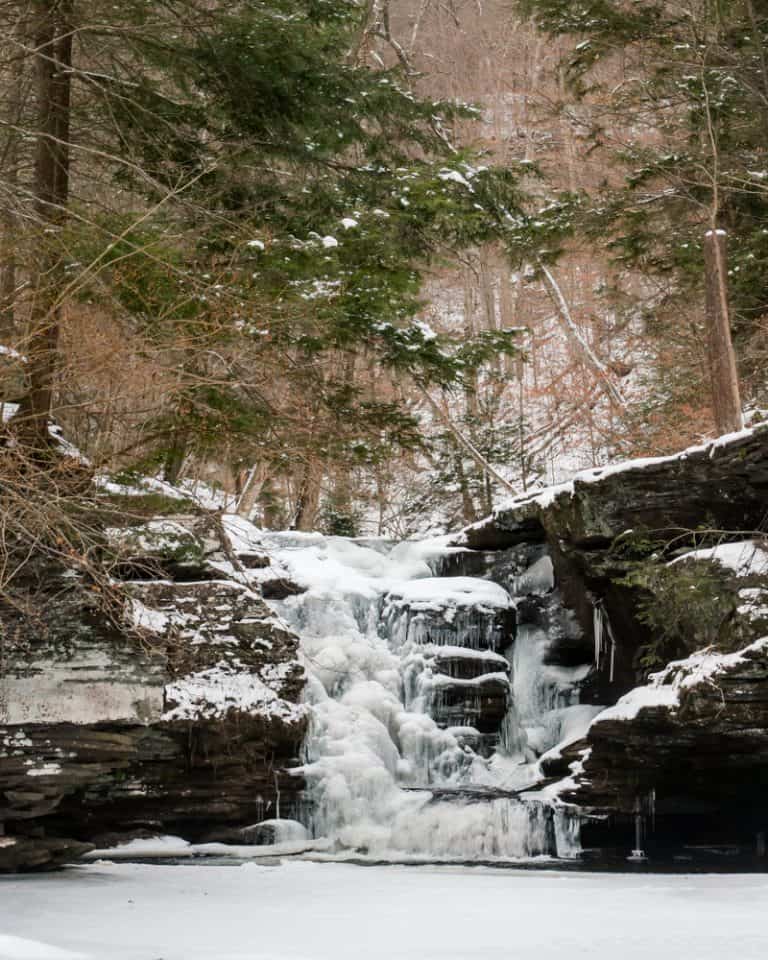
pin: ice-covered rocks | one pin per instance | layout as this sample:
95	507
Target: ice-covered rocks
453	611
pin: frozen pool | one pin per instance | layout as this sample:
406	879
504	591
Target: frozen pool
331	911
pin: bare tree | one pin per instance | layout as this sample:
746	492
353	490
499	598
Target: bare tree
726	399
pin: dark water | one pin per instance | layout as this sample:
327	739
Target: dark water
696	862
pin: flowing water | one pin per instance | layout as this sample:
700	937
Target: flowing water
431	699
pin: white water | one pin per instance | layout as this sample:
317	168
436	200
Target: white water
384	642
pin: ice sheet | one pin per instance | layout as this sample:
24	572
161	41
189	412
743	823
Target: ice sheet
309	911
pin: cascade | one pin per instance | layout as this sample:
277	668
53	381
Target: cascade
432	698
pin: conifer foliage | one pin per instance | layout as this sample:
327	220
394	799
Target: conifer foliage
251	207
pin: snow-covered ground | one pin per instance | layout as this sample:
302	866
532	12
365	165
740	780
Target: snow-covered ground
309	911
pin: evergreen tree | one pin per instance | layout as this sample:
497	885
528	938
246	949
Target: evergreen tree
253	205
686	130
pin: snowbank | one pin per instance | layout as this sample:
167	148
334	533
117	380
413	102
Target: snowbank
211	694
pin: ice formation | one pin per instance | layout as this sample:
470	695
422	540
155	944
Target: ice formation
428	707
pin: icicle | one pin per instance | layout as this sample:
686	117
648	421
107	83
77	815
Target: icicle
602	627
277	796
597	622
613	657
638	853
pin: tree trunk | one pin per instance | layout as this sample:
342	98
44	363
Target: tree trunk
726	399
174	457
255	479
9	215
468	512
308	499
53	60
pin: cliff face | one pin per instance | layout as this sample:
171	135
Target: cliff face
692	743
183	718
685	749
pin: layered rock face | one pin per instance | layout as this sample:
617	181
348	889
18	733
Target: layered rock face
688	752
683	756
181	719
457	637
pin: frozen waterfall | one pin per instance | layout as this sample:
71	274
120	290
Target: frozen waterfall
430	702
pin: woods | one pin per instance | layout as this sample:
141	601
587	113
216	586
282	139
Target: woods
372	266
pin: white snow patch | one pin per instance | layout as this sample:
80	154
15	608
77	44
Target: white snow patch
437	592
744	558
213	693
665	687
21	948
12	353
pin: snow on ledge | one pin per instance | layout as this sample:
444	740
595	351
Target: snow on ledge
213	693
743	558
168	846
438	592
665	687
546	496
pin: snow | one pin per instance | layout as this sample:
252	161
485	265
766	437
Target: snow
754	605
18	948
291	838
8	410
545	497
152	536
574	724
196	490
324	564
641	698
436	592
446	651
67	449
312	911
455	177
665	687
744	558
213	693
147	618
12	353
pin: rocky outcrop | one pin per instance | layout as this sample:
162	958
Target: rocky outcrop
182	717
596	525
684	754
687	753
455	670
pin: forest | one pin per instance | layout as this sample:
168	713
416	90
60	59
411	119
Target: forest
370	266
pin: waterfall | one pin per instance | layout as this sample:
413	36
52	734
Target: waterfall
429	704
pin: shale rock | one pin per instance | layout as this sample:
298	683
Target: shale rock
183	718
